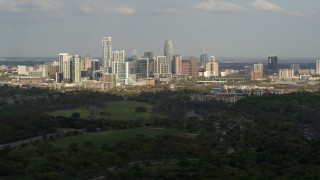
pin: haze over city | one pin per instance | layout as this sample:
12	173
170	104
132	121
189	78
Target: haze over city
246	28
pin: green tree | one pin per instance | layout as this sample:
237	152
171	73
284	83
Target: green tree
140	109
75	115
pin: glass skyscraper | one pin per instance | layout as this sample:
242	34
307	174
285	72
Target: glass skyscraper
272	63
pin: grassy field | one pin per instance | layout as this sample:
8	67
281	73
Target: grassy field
115	136
115	110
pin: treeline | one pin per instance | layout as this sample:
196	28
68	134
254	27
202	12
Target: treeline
44	100
27	124
258	137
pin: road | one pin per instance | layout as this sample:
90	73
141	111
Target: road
26	141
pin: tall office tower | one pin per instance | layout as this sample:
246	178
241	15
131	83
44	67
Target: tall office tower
151	62
168	52
45	71
143	68
318	67
161	68
115	56
121	56
95	64
67	70
295	67
190	67
121	71
118	56
62	58
258	67
248	72
286	73
107	53
177	64
272	63
53	68
148	55
76	73
135	54
212	67
87	61
257	73
203	59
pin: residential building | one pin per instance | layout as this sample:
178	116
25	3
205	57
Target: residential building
63	57
118	56
168	52
286	74
257	73
177	64
45	71
87	61
161	68
78	67
107	54
318	67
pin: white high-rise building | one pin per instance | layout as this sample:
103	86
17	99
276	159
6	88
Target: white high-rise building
318	67
122	56
161	68
63	57
107	53
22	70
78	66
118	56
212	68
67	70
258	68
45	70
87	62
121	71
286	74
168	52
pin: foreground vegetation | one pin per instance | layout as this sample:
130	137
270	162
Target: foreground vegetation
267	137
114	110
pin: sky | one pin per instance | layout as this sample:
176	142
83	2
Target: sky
224	28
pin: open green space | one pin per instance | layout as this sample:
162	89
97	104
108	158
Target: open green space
115	136
115	110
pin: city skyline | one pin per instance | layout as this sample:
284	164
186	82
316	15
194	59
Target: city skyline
249	28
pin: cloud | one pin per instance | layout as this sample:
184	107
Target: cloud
170	10
218	6
297	14
94	8
15	6
125	10
265	5
45	5
9	6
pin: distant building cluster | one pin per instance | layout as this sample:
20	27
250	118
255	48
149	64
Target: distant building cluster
116	69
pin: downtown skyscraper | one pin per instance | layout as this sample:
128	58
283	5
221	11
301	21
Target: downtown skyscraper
168	52
107	53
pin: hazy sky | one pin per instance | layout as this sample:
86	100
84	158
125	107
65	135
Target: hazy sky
229	28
